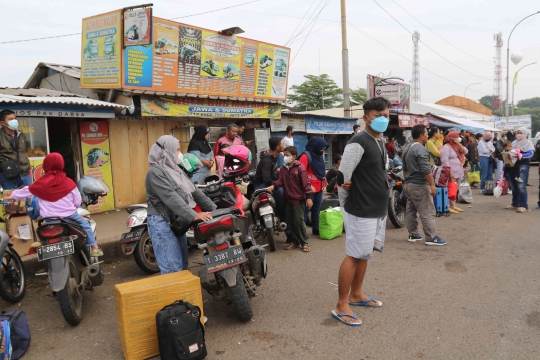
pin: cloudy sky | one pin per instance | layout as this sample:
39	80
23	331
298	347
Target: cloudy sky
459	34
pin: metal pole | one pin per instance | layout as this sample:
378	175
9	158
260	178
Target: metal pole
514	83
508	60
465	93
345	62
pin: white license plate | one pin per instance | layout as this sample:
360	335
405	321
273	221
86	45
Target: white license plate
266	210
52	251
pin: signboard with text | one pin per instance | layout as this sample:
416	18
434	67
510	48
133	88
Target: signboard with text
277	125
315	125
408	121
513	122
398	93
137	27
193	60
101	54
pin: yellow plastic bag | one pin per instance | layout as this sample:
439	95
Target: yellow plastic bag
474	177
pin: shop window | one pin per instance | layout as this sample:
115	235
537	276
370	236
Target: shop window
35	129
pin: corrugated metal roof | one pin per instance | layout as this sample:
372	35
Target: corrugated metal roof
357	112
41	72
180	94
467	122
316	115
73	100
37	92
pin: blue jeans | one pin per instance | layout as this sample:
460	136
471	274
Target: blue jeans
519	189
171	251
279	196
486	171
498	171
85	225
317	201
16	182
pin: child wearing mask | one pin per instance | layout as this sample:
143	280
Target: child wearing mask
298	194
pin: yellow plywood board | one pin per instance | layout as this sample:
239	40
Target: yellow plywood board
138	302
138	152
120	161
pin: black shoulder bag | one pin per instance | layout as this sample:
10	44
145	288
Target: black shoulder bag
11	168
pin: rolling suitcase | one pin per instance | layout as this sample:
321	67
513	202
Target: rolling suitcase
441	202
489	186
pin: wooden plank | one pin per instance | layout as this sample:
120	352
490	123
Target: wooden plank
155	130
120	162
138	151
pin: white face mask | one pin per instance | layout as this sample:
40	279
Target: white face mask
287	160
459	139
179	158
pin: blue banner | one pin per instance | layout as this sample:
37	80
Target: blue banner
320	125
138	66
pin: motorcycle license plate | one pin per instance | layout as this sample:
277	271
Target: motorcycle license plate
225	259
266	210
130	236
52	251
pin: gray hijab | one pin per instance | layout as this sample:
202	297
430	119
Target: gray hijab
525	144
164	157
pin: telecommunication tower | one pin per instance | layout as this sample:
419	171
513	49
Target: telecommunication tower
497	79
415	82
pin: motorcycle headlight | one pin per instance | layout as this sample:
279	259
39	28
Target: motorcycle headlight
134	220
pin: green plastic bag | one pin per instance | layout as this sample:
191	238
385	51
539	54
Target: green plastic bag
474	177
330	223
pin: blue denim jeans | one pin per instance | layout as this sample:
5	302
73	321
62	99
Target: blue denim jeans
171	251
315	209
85	225
16	182
519	189
498	171
486	171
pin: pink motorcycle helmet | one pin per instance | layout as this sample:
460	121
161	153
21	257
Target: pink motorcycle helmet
237	160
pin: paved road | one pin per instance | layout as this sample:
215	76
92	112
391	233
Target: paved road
476	298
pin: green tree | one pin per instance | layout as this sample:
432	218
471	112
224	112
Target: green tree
358	96
314	92
529	103
486	101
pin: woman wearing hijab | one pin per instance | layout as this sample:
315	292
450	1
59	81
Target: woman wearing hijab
400	142
453	155
519	189
200	147
58	196
486	149
171	195
316	170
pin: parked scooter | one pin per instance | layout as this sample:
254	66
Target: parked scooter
71	269
397	201
12	279
234	263
263	207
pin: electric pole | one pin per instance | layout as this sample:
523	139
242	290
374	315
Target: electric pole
345	62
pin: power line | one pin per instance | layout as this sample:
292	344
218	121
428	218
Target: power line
296	28
313	32
180	17
303	42
448	42
211	11
307	24
426	45
409	60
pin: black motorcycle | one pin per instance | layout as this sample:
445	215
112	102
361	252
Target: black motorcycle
12	280
71	269
234	263
397	201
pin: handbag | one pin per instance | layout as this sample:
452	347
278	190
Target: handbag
441	175
180	332
452	190
474	177
330	223
10	168
492	160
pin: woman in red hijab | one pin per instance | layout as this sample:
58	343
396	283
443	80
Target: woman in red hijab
453	155
58	196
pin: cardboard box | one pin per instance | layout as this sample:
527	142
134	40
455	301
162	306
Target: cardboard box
138	302
20	231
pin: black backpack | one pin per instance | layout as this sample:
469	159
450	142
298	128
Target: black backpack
20	332
180	332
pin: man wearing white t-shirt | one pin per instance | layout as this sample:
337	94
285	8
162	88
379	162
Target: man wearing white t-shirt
288	140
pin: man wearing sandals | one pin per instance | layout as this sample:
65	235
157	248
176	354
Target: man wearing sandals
298	194
363	196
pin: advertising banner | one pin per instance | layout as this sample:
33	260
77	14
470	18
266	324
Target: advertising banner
315	125
408	121
398	93
277	125
513	122
96	159
193	60
138	27
196	107
101	51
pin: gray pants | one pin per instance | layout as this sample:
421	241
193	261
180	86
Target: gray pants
419	200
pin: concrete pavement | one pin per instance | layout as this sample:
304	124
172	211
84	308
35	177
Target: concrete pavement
476	298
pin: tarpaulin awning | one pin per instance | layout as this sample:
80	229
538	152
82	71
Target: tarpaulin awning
447	125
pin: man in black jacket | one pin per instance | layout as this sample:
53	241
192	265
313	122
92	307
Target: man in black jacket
13	153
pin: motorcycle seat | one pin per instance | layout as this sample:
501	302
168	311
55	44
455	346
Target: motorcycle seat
257	192
219	212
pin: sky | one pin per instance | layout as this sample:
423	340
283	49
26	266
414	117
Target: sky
458	46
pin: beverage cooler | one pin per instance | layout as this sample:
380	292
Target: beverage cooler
259	142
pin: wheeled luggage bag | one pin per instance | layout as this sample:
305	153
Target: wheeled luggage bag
441	202
489	186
